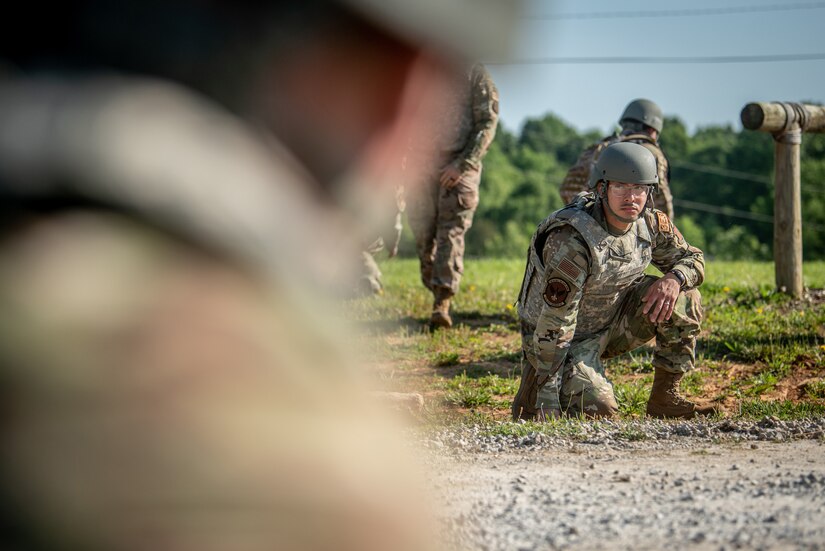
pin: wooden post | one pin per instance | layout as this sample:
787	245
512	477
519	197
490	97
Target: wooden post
787	214
787	122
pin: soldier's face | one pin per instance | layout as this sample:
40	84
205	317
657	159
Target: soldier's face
624	203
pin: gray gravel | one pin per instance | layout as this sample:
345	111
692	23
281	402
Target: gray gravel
633	485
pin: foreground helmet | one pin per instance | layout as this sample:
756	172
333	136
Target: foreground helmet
626	162
645	112
476	29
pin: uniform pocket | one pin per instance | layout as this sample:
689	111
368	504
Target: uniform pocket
467	195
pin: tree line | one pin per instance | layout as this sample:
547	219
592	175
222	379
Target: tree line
721	179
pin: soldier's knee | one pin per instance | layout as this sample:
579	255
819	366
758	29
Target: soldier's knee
688	310
601	405
694	296
594	403
586	392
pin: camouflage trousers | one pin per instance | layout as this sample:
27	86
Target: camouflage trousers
439	218
581	383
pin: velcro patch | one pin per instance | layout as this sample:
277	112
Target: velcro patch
569	269
664	222
556	292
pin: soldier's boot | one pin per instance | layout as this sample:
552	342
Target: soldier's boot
441	309
667	402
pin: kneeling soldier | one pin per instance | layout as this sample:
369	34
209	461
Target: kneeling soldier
585	296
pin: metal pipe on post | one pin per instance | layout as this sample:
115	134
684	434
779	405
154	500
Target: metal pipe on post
787	122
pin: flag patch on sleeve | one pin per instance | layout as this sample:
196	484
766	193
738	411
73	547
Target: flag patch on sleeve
568	268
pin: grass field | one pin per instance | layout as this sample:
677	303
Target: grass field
759	353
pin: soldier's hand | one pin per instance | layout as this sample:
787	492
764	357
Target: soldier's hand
660	299
450	176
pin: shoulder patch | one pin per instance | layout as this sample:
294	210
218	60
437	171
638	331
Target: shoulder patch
664	222
556	292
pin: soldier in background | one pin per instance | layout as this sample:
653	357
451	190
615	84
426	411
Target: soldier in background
369	282
441	208
642	122
175	214
585	297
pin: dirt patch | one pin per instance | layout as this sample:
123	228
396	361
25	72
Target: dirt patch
502	368
814	296
795	385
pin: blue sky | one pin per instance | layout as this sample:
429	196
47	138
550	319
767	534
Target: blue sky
593	95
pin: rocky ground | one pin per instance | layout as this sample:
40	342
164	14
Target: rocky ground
633	485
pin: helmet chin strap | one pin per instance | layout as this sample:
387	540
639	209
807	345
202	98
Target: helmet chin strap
600	191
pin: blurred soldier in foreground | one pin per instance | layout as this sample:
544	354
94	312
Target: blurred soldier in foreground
173	194
585	296
441	210
641	122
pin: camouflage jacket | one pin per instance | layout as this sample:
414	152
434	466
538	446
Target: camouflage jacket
578	273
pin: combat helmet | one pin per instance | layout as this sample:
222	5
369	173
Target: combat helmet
474	29
645	112
626	162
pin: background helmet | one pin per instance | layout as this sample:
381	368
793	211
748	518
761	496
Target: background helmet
626	162
645	112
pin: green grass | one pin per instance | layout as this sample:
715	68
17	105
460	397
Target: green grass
632	397
749	327
816	390
781	409
489	290
471	392
749	275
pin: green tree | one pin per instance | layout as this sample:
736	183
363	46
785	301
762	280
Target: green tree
716	167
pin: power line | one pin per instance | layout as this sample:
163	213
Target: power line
735	174
727	211
736	213
722	172
624	60
680	13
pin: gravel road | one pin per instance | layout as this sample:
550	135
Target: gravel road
638	485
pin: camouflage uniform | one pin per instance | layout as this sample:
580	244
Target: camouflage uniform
580	303
578	177
439	216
